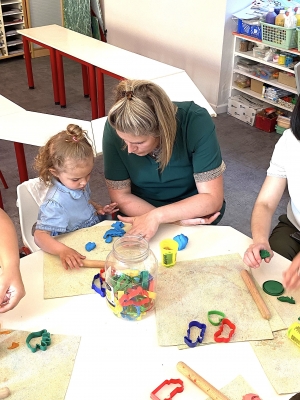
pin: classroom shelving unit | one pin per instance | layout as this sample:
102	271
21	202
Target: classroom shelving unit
11	19
235	89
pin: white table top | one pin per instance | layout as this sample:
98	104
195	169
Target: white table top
34	128
180	87
121	358
100	54
8	107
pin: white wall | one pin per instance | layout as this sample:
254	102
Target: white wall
188	34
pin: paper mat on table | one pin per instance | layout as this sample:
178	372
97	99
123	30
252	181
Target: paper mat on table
190	289
236	389
40	375
59	282
280	360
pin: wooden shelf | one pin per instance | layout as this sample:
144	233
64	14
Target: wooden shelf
11	19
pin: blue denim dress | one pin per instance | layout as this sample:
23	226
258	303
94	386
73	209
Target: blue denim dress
65	210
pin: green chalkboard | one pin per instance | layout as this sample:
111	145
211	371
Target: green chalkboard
77	16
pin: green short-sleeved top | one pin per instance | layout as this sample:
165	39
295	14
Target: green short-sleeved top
196	151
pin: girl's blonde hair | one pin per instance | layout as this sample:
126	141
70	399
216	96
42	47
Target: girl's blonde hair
143	108
73	143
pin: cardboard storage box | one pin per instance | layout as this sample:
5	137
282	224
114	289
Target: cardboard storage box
245	108
264	123
256	86
287	79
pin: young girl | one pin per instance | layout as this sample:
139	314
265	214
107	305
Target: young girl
65	164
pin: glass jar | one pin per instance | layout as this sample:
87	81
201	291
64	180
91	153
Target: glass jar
130	277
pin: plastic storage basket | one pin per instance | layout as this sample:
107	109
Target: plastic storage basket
298	37
247	29
280	129
278	36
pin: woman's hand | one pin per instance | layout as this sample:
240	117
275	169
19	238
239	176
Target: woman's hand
11	291
144	225
70	258
206	220
291	277
252	256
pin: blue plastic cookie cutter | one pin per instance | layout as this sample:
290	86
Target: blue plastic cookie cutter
200	337
101	289
45	341
182	241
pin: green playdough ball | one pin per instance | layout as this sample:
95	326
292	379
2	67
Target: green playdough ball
264	254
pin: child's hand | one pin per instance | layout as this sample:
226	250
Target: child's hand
70	258
108	209
11	291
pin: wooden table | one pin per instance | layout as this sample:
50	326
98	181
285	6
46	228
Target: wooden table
121	359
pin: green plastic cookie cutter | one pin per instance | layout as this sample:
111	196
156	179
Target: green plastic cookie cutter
45	341
215	312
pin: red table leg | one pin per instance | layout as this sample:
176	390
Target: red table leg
85	80
28	62
100	92
93	91
61	79
54	75
21	160
1	201
2	179
101	95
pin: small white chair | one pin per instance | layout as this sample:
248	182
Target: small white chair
31	194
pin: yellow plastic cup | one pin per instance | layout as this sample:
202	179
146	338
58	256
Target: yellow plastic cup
293	333
168	249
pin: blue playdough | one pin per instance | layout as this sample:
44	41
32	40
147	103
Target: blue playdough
90	246
118	225
182	241
108	235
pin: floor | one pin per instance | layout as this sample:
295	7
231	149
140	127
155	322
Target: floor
245	149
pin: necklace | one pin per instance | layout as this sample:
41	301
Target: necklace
154	153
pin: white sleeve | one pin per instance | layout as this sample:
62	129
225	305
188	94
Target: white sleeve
277	164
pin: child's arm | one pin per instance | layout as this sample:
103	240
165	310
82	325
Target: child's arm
70	258
108	209
11	285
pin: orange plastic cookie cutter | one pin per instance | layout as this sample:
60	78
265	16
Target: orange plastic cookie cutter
217	336
178	389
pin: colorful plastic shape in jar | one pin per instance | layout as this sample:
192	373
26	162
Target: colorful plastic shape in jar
130	278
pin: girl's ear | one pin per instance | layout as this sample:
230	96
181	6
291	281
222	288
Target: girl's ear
53	172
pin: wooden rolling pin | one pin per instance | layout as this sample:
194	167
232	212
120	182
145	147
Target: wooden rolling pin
210	390
93	263
261	305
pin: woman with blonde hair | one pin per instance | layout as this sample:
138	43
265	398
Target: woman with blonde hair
162	160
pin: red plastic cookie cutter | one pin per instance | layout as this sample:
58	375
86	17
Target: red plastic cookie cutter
217	335
178	389
251	396
134	297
